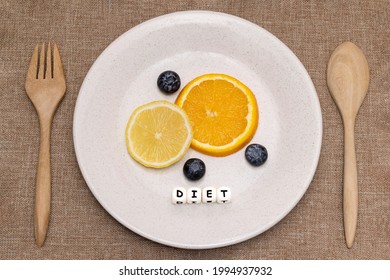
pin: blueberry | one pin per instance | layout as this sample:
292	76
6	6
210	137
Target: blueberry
194	169
256	154
168	82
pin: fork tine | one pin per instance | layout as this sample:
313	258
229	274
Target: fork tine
41	71
49	73
58	70
32	69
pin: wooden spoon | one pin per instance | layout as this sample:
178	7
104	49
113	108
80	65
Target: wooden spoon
348	78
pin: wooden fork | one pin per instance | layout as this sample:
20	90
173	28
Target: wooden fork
45	86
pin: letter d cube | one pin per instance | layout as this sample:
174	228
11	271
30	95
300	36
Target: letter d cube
179	196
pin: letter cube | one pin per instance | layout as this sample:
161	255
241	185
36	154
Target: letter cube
209	195
194	195
179	195
224	195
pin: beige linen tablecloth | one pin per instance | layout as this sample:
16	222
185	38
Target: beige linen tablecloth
81	229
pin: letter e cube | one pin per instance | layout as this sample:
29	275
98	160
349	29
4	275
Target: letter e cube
209	195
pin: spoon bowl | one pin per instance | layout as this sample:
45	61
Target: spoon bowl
348	78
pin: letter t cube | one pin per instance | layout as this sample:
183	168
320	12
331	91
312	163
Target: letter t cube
224	195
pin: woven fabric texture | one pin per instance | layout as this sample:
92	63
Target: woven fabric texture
81	229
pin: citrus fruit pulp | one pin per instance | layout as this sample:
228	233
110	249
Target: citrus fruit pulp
222	111
158	134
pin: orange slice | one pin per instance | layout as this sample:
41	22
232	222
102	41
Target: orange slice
158	134
222	111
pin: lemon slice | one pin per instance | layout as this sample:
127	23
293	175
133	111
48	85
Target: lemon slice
222	111
158	134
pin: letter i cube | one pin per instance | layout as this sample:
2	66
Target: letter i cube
194	195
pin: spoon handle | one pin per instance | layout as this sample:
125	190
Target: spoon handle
350	196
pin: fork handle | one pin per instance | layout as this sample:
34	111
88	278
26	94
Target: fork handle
350	193
43	184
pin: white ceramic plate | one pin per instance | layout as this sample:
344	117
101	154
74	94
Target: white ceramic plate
194	43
